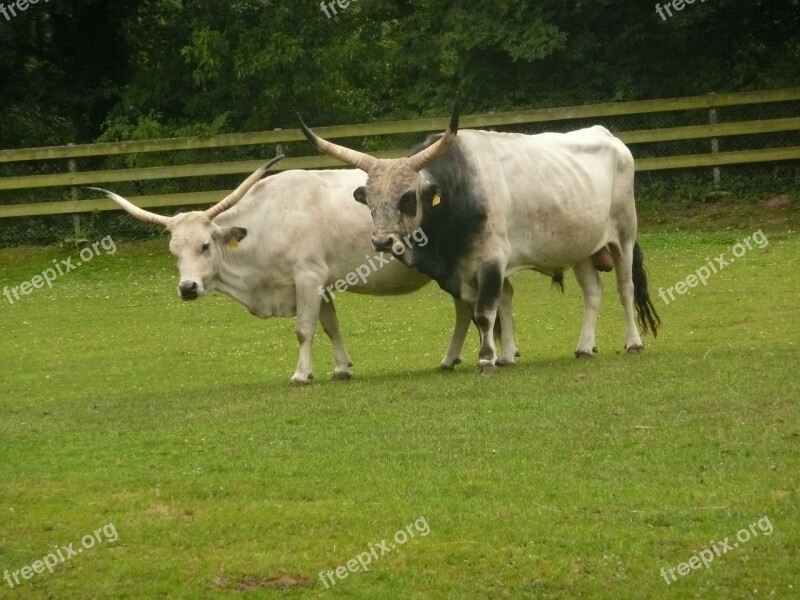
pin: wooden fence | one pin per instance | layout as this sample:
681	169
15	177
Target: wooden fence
71	178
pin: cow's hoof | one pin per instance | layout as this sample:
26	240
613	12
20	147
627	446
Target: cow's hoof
635	349
342	375
299	380
582	354
485	367
505	362
443	366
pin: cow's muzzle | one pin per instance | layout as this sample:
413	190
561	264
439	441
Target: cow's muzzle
188	290
388	243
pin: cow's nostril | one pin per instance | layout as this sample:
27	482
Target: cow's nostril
187	288
382	242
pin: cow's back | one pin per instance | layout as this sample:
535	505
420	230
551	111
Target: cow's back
551	195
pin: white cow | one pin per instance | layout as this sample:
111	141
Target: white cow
274	245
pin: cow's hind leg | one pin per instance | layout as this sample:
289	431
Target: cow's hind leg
330	324
490	285
505	316
592	287
308	309
460	329
623	262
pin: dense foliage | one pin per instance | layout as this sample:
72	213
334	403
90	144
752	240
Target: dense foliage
83	70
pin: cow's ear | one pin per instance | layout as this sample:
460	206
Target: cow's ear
431	195
360	194
230	236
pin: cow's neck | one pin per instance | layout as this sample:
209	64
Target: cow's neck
232	279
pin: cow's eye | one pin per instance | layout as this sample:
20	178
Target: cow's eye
206	247
408	204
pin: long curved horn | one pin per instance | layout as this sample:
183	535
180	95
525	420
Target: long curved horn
139	213
237	194
353	158
425	157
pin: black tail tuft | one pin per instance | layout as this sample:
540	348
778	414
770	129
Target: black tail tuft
645	311
558	280
498	331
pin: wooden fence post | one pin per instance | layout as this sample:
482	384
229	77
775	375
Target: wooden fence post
712	119
73	195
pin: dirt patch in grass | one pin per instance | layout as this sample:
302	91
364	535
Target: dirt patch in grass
248	583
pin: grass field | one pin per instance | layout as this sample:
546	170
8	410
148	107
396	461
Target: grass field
557	478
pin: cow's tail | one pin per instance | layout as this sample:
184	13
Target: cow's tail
645	311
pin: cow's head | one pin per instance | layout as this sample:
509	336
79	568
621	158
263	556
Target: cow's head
396	189
196	242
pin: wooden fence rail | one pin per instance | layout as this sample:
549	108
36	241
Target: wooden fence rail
72	178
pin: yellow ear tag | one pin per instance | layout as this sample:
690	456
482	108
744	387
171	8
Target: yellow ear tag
436	200
232	243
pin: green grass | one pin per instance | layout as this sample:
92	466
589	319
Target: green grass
555	478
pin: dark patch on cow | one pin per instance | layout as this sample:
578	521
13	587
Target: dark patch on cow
490	284
408	204
557	281
645	311
230	235
360	194
481	321
453	223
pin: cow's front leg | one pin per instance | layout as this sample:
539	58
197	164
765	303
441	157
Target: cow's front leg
490	284
463	318
308	307
330	324
508	347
